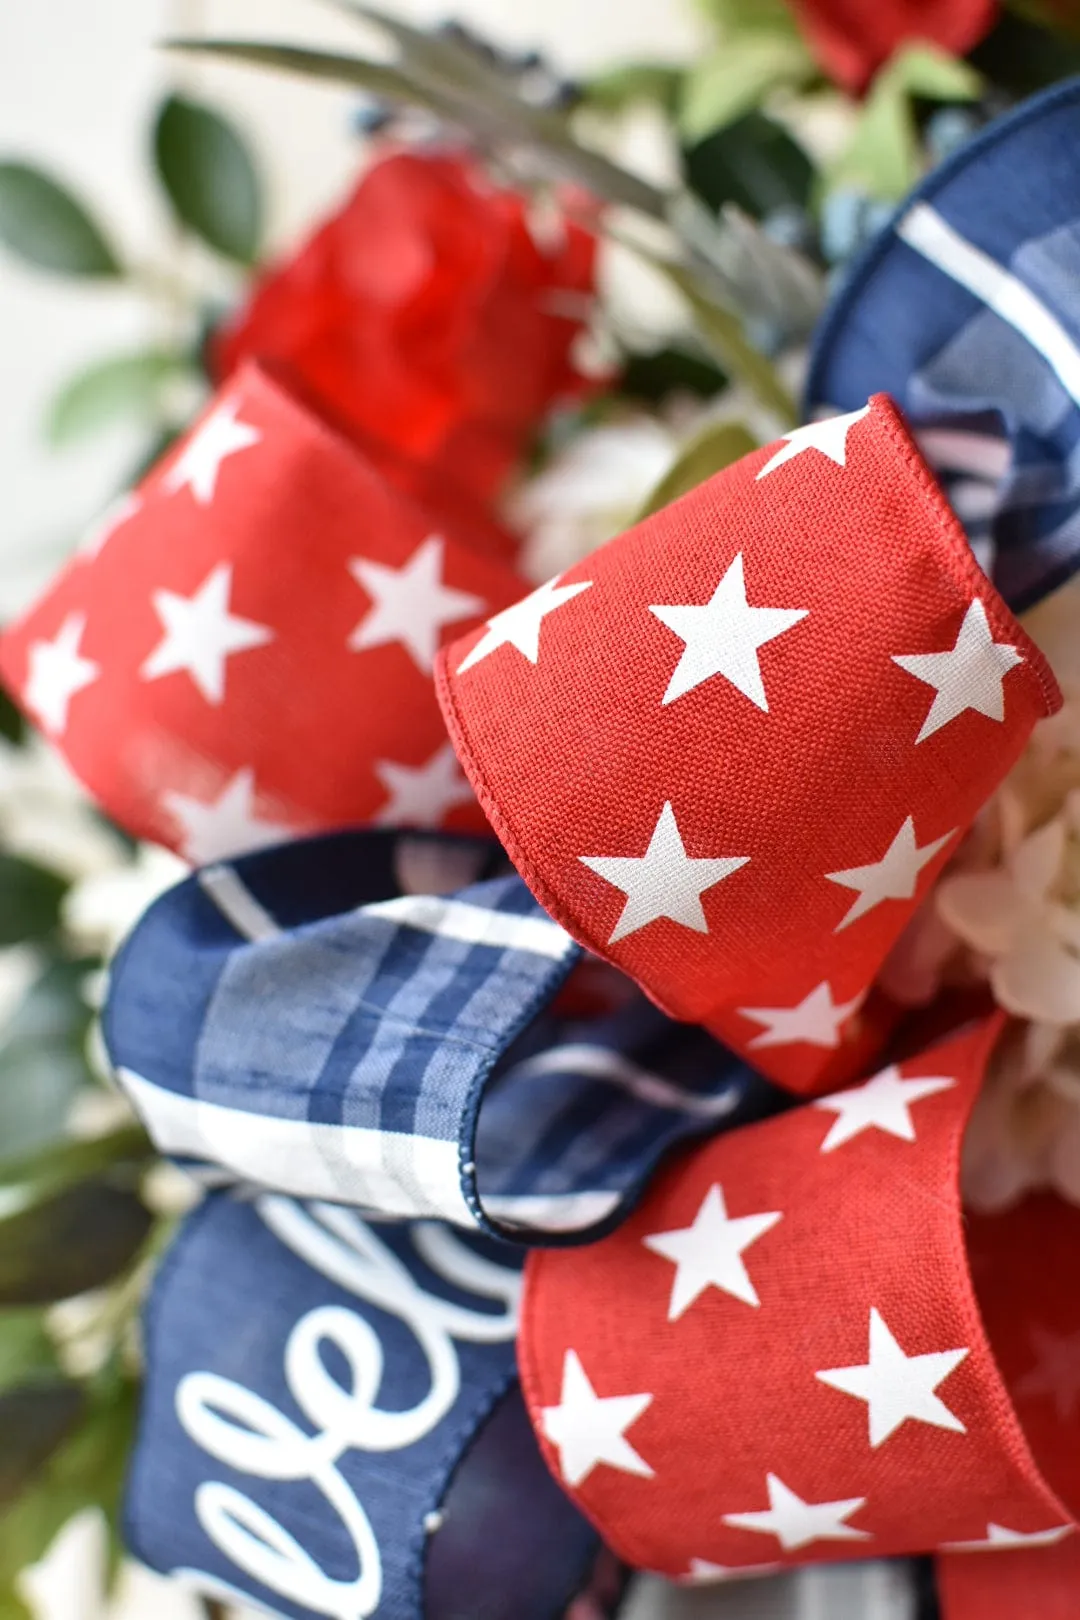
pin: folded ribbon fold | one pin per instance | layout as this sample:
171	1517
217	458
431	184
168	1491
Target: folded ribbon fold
333	1037
797	1349
731	749
245	651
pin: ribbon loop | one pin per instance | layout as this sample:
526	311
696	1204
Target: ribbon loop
731	749
797	1350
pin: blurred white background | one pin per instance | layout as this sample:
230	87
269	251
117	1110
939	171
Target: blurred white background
78	82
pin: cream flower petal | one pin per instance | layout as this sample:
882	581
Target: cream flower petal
1064	924
1036	863
1041	1045
986	909
1012	817
1038	979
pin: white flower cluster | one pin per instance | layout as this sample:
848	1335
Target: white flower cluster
1006	913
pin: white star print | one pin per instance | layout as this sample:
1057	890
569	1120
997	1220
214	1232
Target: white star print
589	1429
519	626
998	1536
708	1254
796	1523
882	1104
410	604
199	462
56	671
816	1019
703	1573
1056	1372
970	675
226	825
201	634
897	1388
665	881
421	795
894	877
829	436
722	637
115	515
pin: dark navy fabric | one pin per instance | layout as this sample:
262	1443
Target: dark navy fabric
401	1053
314	1385
966	309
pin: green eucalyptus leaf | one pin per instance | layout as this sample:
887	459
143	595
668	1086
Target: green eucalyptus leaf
42	1062
736	77
884	156
378	77
927	71
27	1352
61	1164
498	122
770	282
125	385
30	897
713	449
45	225
750	16
653	377
721	332
34	1421
69	1243
753	163
86	1471
12	721
632	84
210	177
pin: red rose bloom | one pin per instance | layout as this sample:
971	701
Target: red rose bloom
425	316
853	38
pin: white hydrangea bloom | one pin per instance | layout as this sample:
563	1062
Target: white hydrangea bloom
47	817
69	1583
102	908
1007	913
590	491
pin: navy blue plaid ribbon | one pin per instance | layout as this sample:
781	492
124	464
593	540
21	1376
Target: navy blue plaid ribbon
293	1020
966	309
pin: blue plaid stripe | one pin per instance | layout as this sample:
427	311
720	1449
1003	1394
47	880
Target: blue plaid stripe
967	310
397	1055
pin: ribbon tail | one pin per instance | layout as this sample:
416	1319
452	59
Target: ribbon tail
1028	1583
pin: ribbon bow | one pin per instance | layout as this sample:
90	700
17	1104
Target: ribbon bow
727	755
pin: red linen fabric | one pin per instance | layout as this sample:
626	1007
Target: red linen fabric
245	651
796	1350
730	751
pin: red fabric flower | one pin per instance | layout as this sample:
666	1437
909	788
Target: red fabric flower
425	315
853	38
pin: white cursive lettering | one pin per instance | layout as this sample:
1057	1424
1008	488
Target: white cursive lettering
241	1428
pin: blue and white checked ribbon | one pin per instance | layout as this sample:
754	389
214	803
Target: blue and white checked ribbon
966	309
295	1022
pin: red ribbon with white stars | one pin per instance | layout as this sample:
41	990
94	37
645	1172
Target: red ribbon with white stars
799	1349
243	651
731	750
